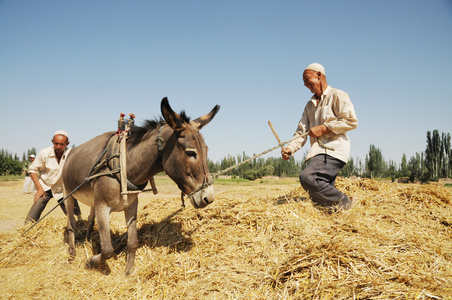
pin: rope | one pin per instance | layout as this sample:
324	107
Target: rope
88	179
260	154
203	186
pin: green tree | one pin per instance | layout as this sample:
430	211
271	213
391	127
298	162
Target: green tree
404	166
360	168
258	167
432	152
446	150
438	154
374	162
391	170
414	166
9	165
349	169
25	156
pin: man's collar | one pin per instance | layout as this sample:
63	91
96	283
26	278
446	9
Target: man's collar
326	91
328	88
52	154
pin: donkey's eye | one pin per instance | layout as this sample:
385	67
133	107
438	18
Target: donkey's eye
191	153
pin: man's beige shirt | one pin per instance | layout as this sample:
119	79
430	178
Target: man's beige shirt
336	112
47	164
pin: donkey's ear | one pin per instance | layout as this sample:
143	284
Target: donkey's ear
172	118
204	120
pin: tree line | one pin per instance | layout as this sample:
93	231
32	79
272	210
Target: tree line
433	163
258	167
10	164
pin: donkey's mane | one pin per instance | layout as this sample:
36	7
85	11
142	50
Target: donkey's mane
138	132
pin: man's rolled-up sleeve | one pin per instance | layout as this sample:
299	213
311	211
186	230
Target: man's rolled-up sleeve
344	118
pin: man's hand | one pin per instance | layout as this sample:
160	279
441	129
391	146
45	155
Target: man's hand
39	190
286	153
39	193
318	131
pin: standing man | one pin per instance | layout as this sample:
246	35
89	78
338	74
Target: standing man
49	184
327	117
29	186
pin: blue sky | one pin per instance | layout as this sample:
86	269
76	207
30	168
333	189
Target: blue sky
75	65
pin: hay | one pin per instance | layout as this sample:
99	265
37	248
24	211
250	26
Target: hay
257	241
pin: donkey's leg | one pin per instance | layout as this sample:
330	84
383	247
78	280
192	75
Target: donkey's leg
90	223
132	236
71	224
103	221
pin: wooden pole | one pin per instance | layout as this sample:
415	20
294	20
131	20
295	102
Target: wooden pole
276	135
154	189
123	162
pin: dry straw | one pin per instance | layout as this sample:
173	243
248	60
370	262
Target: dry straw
258	241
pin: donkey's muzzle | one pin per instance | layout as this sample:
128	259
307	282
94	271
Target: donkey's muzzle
203	197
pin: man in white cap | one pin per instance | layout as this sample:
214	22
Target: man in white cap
29	186
49	163
327	117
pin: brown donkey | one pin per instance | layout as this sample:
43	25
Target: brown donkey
173	145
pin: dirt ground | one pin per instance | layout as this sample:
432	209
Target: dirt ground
258	240
15	204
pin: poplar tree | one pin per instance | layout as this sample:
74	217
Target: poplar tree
447	159
374	162
404	166
432	152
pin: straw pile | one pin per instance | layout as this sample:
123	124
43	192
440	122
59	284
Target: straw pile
258	241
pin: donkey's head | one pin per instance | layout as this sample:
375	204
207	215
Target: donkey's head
184	157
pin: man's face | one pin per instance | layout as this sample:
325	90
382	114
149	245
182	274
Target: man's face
60	142
311	80
32	159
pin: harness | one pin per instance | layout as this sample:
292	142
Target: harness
112	160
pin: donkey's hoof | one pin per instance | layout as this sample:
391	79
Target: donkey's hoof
129	272
71	253
102	268
88	264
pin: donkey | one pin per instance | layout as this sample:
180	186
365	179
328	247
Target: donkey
172	144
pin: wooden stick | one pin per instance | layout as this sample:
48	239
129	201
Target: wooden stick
154	189
123	163
279	141
259	155
138	191
276	135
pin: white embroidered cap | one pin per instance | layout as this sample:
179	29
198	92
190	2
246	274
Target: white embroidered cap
316	67
61	132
